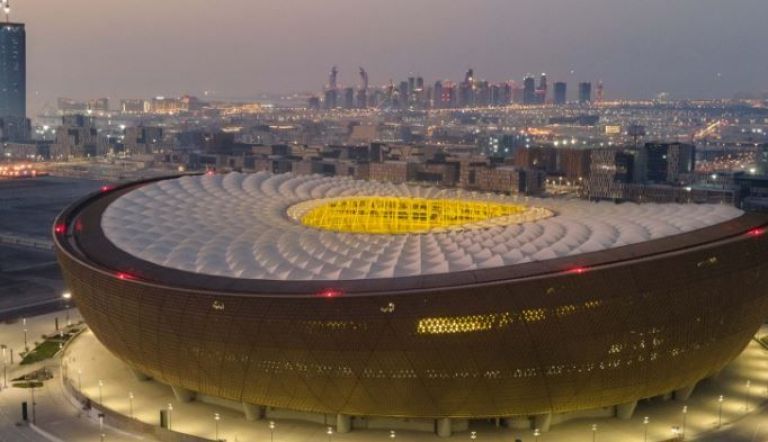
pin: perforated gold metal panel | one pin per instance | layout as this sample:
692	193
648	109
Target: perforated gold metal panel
570	341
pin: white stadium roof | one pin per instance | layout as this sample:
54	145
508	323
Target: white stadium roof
236	225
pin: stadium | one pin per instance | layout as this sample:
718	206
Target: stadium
364	299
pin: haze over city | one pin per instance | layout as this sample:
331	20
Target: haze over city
238	48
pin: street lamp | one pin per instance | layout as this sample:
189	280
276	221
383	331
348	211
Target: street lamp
32	393
473	435
170	412
272	431
329	432
5	369
67	296
646	421
536	434
746	401
685	414
101	397
26	347
392	434
720	411
594	432
130	402
216	419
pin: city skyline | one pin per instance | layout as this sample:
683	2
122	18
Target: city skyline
176	50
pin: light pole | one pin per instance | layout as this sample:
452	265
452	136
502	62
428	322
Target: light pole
646	421
536	434
67	296
24	325
272	431
594	432
329	432
130	403
720	411
101	397
685	414
170	413
216	419
746	401
5	369
392	434
473	435
32	393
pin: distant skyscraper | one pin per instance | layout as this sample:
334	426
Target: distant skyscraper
467	90
529	90
517	93
403	94
469	77
332	78
541	91
600	91
331	98
437	95
561	93
362	93
349	98
585	93
332	93
13	70
496	95
14	125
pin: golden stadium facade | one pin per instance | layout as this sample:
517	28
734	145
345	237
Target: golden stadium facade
475	306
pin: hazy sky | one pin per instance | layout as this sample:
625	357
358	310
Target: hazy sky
88	48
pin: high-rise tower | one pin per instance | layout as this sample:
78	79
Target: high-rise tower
561	93
541	91
13	70
529	90
585	92
14	125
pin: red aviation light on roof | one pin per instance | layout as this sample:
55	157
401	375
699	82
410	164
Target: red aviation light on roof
331	293
60	229
757	231
578	270
125	276
106	188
